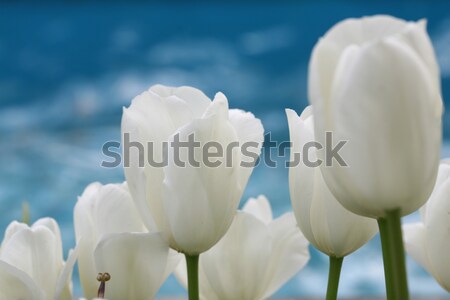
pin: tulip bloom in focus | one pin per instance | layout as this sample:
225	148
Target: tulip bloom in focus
192	206
374	82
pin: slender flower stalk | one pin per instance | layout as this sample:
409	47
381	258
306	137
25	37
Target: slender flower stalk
26	213
333	277
192	272
386	262
393	256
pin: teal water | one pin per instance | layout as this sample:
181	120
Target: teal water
66	70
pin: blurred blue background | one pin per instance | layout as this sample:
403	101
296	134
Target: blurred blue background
66	70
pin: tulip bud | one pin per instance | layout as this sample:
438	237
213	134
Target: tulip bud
374	82
327	225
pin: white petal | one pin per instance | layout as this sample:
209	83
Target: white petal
301	178
16	284
136	262
250	133
438	236
12	229
414	236
289	252
35	252
195	99
64	284
200	202
363	30
243	274
260	208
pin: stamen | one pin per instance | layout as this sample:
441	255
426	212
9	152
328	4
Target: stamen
102	278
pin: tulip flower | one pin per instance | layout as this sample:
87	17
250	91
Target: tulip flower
254	259
327	225
192	199
112	239
374	82
428	241
32	265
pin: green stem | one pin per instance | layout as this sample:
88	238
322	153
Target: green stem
393	256
333	277
26	213
192	272
386	262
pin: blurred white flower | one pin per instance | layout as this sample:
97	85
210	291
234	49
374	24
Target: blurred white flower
113	239
32	266
428	241
192	206
325	223
255	257
374	82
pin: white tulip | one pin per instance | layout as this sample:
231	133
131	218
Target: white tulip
325	223
32	266
428	241
255	257
112	239
192	206
374	82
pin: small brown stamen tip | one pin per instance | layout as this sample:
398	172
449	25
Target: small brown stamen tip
102	278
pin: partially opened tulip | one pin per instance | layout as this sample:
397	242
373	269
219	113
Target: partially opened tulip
327	225
428	241
32	266
254	259
192	199
112	239
374	82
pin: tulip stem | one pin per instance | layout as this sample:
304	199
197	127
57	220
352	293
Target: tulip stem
192	272
393	256
386	262
333	277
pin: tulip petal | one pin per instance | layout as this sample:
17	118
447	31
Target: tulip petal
259	208
414	237
16	284
242	277
64	284
195	99
250	134
35	252
301	178
289	253
438	235
359	31
200	202
136	262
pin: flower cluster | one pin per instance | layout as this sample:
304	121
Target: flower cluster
373	82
